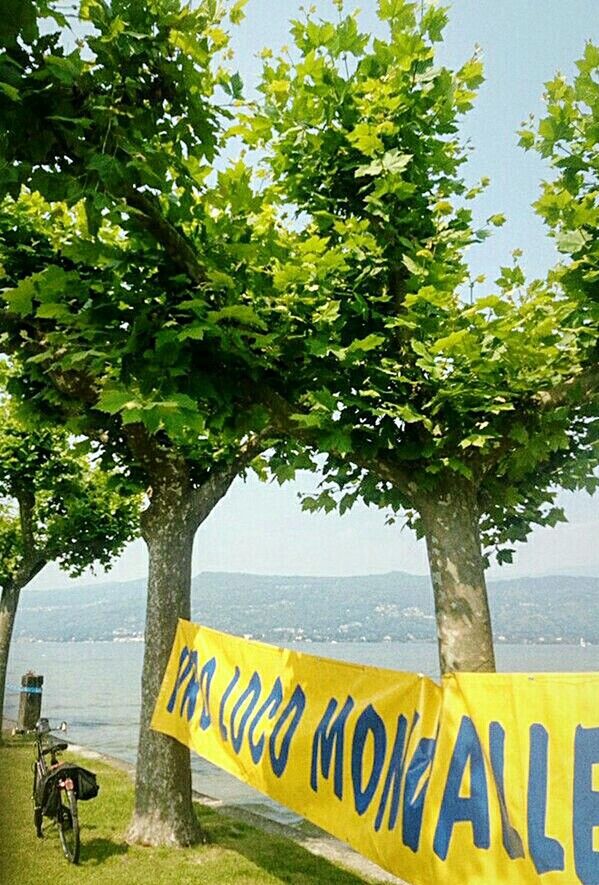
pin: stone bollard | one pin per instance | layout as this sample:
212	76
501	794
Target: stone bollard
30	701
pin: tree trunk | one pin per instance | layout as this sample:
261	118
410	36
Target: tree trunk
451	525
164	813
9	601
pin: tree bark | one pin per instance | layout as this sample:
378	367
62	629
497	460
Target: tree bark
164	813
9	601
464	633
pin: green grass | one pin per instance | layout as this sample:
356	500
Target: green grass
236	854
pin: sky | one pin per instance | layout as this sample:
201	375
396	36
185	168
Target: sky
260	528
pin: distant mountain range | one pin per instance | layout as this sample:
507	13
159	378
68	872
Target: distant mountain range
372	608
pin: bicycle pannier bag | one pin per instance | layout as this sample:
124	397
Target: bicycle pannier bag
86	784
47	797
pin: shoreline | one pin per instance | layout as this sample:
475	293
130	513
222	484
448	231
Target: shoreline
135	640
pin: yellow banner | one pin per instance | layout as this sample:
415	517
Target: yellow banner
487	779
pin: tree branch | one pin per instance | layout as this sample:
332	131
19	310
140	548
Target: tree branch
157	460
383	467
33	560
26	501
175	244
34	567
570	392
580	386
205	498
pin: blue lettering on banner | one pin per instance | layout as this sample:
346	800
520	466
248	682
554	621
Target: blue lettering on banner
294	711
417	781
271	704
369	722
205	681
586	804
190	695
329	740
394	777
512	841
252	692
182	674
188	667
221	712
547	853
474	808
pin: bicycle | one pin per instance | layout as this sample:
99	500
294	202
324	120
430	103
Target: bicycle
57	787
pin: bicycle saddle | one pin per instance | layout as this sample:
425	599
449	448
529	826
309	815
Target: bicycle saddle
55	747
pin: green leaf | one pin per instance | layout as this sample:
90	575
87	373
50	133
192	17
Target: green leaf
237	11
236	84
412	266
392	162
195	332
364	138
197	50
450	342
10	91
408	414
572	241
114	400
20	299
328	313
370	342
527	139
339	441
239	313
476	440
53	311
505	556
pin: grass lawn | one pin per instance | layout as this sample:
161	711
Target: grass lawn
236	853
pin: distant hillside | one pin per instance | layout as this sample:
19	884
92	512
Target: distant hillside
396	606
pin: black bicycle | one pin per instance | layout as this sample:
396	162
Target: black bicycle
56	788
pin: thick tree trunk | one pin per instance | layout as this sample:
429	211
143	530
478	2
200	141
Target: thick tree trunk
451	524
9	601
164	813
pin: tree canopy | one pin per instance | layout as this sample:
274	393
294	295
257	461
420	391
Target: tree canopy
362	139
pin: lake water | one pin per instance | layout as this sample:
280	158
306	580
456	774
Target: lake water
95	687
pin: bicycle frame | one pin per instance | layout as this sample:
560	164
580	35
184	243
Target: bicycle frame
61	802
42	767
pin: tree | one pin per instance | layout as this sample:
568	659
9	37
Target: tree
464	415
55	506
137	286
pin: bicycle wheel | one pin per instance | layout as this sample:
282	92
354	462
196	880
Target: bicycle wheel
37	811
68	825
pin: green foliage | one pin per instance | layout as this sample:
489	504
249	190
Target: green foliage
146	275
567	136
145	290
56	505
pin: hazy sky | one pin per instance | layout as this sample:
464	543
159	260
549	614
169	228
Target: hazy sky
260	528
